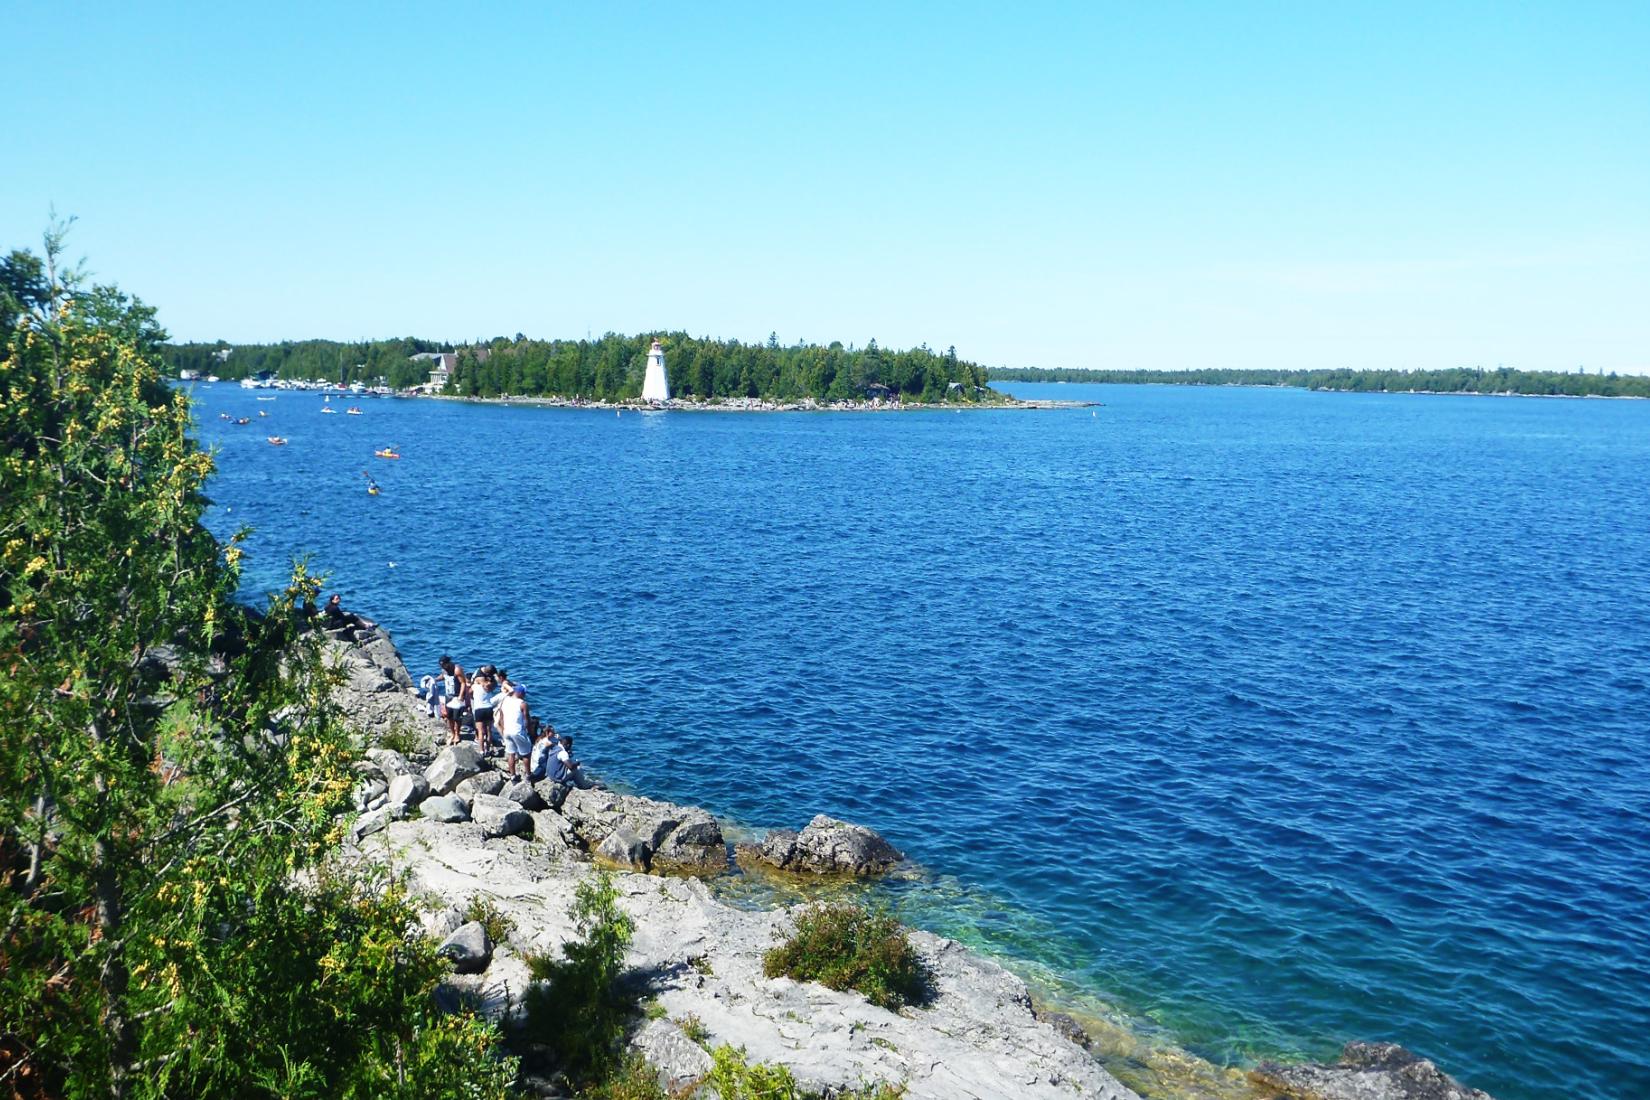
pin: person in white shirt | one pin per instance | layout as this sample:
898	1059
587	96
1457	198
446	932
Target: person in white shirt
545	745
512	723
483	694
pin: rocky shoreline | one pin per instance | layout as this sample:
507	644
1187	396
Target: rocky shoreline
468	839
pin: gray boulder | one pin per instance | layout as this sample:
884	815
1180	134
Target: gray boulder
390	762
483	782
696	846
370	822
829	846
825	847
499	816
522	793
778	849
445	807
596	813
550	826
452	766
408	790
369	792
469	947
678	1060
623	848
1366	1071
368	771
645	834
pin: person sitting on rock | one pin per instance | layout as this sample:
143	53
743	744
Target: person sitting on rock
545	745
512	725
564	769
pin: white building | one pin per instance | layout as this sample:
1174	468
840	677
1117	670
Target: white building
656	386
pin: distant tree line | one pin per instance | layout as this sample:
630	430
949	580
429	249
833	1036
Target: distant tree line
326	360
1453	380
613	367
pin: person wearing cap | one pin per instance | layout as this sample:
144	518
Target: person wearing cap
513	718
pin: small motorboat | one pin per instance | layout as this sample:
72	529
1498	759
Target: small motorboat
276	441
262	413
243	420
329	410
353	410
224	416
387	452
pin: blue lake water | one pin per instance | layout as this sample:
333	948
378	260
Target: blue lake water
1272	718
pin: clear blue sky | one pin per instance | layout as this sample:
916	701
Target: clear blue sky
1130	185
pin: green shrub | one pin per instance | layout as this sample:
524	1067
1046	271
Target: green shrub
844	946
694	1028
633	1079
735	1079
483	910
404	739
874	1092
577	1009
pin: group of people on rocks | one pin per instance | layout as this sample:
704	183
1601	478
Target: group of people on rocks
492	705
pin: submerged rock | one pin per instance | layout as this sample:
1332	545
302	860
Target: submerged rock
1366	1071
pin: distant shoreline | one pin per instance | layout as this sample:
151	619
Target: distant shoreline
758	405
1335	389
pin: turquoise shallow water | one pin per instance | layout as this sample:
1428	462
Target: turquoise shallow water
1274	718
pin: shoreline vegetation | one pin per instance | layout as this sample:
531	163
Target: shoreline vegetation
727	375
1501	382
609	368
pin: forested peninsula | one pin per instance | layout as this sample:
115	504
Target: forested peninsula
610	368
1455	380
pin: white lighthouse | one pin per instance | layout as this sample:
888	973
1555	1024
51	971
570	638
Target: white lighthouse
656	386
